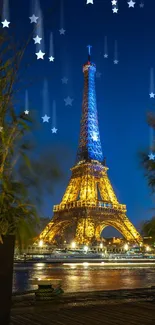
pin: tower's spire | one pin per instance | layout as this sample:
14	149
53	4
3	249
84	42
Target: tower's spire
89	51
89	144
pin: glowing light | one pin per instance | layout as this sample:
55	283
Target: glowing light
73	244
85	263
148	248
41	243
143	263
101	245
85	249
94	136
126	247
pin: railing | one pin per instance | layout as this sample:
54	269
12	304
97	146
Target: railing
81	204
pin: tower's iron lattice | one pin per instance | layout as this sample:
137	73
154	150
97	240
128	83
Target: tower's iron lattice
89	202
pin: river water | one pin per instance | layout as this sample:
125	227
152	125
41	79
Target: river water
77	278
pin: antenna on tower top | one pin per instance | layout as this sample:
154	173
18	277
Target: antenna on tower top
89	52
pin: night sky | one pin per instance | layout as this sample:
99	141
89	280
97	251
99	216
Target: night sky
122	90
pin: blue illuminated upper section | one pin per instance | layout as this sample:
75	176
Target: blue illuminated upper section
89	143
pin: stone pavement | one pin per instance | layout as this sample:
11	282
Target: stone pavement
101	312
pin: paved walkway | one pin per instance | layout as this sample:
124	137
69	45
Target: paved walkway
131	313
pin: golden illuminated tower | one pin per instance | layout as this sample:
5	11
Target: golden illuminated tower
89	202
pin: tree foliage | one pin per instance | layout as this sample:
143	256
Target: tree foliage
22	175
148	227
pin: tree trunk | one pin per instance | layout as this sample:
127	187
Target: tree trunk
6	276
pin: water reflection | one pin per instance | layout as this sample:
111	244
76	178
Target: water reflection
83	277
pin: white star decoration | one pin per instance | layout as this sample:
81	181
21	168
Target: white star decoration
151	156
98	74
115	61
51	58
26	112
115	10
89	1
33	19
54	130
141	5
105	55
131	4
94	136
40	55
152	95
64	80
37	39
68	101
62	31
45	118
114	2
5	23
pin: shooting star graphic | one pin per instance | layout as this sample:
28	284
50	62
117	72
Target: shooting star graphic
5	14
54	129
152	94
45	94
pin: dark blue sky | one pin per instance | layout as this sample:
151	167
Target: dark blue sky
122	90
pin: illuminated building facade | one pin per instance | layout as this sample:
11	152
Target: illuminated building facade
89	201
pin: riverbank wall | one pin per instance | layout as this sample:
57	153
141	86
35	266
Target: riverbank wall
139	294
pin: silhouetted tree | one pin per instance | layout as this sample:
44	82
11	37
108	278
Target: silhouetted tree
23	177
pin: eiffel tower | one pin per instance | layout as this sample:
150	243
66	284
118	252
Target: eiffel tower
89	202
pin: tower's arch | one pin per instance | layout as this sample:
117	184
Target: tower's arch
122	225
53	229
104	225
